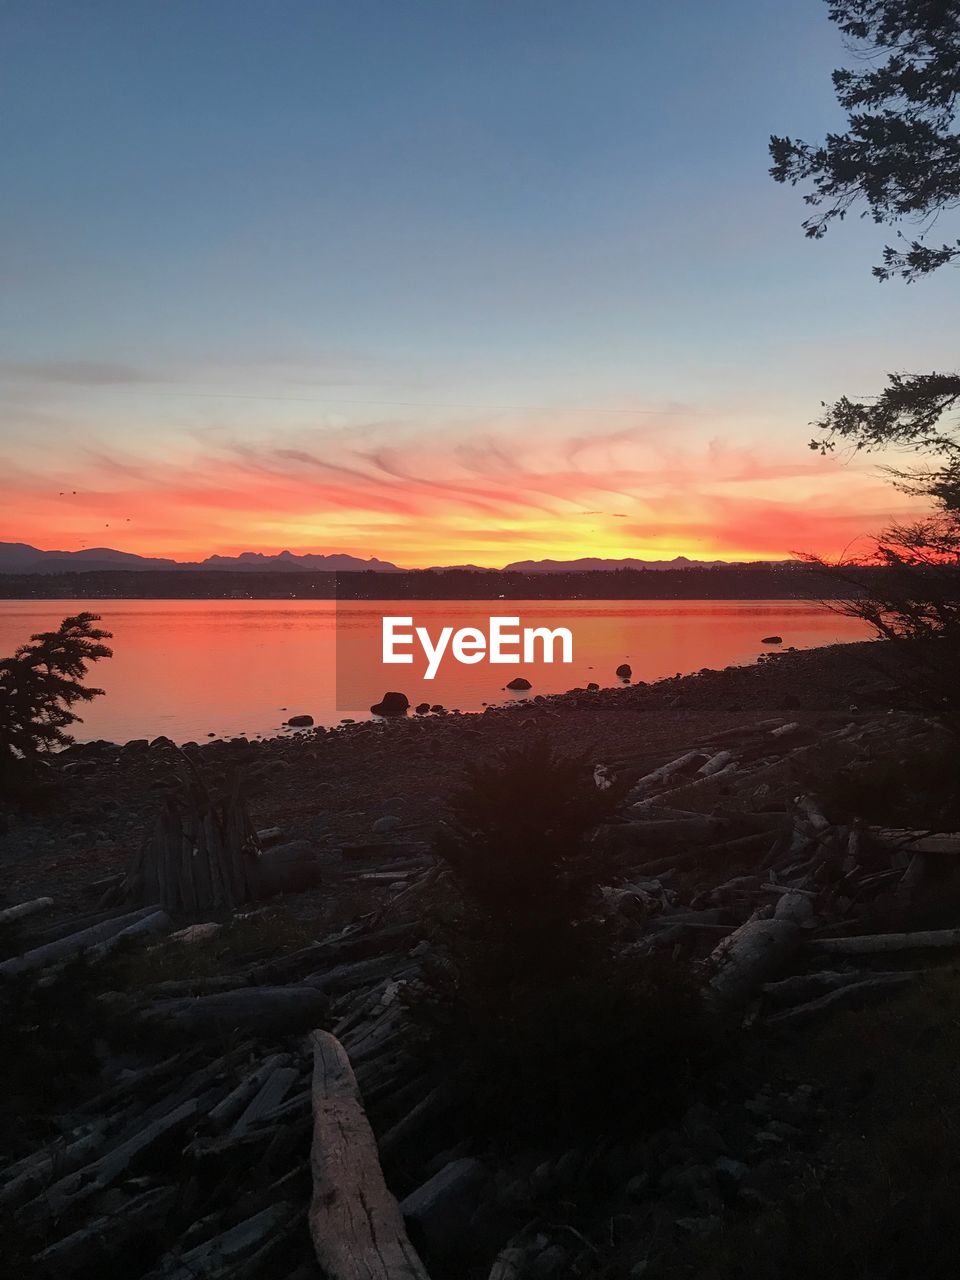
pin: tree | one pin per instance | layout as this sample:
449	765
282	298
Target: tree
900	159
41	684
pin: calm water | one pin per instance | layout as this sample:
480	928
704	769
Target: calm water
188	668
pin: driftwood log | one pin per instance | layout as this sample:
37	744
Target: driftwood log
871	944
254	1010
355	1223
756	951
75	943
23	909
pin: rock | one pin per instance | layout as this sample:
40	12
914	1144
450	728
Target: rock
289	868
438	709
422	708
699	1228
730	1173
392	704
772	640
300	722
385	824
637	1186
593	686
518	682
624	671
551	1261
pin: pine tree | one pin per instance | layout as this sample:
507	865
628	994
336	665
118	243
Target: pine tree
40	685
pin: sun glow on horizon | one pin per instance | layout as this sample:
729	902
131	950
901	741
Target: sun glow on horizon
425	498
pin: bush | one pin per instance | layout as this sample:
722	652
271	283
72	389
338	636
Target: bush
540	1028
518	845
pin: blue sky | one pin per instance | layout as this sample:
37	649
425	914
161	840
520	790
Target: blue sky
232	231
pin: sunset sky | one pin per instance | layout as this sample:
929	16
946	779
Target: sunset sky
443	281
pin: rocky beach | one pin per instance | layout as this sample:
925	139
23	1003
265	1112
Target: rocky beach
175	1067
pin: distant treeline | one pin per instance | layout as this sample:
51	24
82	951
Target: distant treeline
752	582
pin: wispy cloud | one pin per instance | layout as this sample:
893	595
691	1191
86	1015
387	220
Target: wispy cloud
77	373
495	491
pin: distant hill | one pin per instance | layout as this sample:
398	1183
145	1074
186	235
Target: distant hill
592	564
18	557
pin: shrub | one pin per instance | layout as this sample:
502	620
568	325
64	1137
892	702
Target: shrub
537	1024
517	842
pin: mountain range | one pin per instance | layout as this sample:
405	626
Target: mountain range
18	557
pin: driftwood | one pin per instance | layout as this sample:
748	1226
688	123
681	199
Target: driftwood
355	1223
871	944
200	854
233	1105
74	943
93	1178
255	1010
939	842
268	1098
23	909
156	922
754	953
220	1256
852	995
689	762
82	1249
27	1176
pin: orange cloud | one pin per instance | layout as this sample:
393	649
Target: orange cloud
429	497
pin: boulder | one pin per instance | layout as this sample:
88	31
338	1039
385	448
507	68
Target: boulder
772	640
624	671
422	708
300	722
392	704
518	682
288	868
592	687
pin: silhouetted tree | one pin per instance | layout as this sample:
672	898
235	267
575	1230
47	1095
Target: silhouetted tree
40	685
900	160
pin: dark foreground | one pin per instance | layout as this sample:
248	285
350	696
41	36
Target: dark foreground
161	1095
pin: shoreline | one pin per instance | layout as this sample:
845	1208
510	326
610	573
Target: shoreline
331	787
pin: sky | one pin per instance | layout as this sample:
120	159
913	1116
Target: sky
441	282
